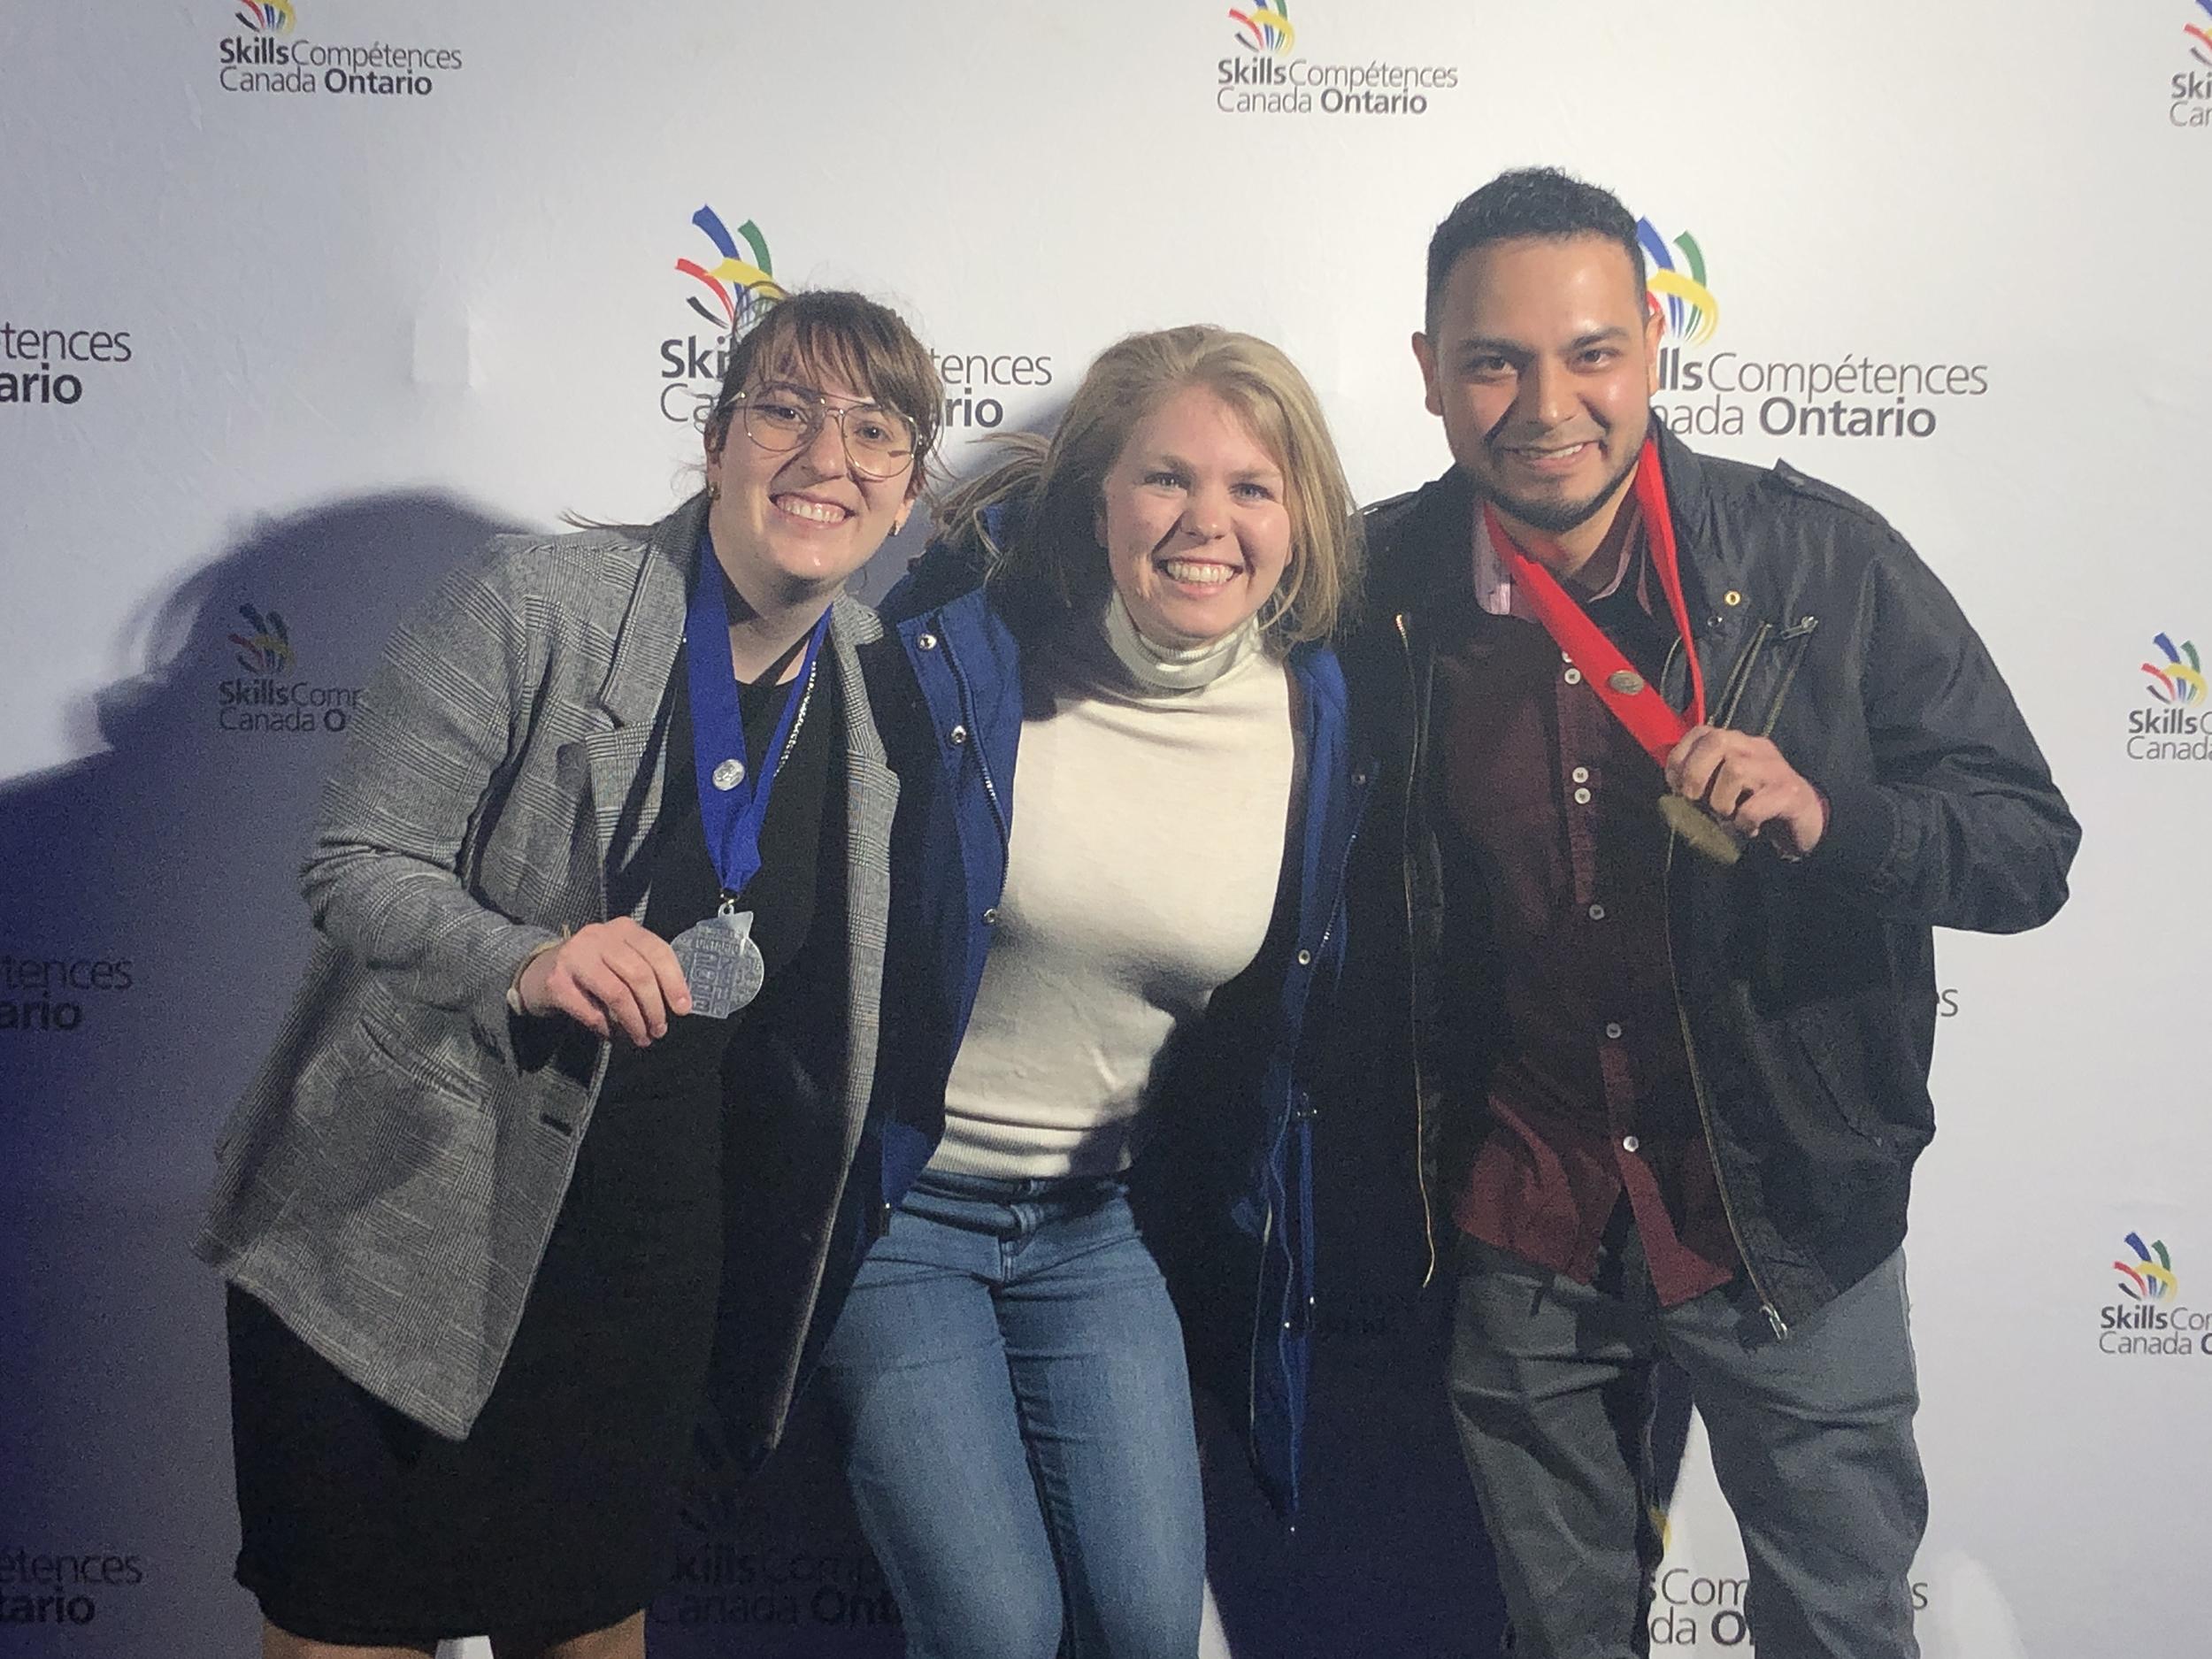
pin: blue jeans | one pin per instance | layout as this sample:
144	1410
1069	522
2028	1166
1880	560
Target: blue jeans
1009	1382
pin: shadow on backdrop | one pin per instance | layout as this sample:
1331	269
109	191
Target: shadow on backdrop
152	932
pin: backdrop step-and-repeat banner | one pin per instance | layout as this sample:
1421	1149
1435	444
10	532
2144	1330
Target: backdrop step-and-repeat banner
300	300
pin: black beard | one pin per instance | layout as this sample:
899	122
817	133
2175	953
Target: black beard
1556	518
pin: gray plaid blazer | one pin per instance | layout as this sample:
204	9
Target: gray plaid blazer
388	1182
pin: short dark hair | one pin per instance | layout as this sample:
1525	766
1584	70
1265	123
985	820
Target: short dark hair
1529	202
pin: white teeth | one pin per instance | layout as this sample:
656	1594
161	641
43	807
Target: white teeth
814	511
1188	570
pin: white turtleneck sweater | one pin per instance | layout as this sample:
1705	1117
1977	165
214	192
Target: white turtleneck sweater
1147	842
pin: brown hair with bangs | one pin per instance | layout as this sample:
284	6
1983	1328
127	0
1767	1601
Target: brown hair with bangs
833	331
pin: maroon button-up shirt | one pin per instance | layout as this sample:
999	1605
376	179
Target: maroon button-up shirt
1543	797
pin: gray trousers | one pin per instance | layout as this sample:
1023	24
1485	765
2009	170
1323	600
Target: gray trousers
1811	1438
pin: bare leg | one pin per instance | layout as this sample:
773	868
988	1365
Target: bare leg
625	1641
281	1644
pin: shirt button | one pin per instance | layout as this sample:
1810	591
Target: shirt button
959	734
1629	1143
1305	958
990	917
1597	913
1574	676
927	641
1580	774
1612	1028
1582	797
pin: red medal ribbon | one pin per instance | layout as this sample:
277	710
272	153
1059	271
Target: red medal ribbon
1649	719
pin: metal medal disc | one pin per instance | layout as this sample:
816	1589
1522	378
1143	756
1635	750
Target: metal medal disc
721	963
1698	828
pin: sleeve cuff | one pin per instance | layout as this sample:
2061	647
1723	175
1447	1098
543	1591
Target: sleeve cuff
1862	830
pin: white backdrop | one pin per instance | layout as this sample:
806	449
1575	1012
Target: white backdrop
293	351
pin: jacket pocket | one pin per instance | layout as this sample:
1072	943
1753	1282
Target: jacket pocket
1836	1048
1759	685
431	1051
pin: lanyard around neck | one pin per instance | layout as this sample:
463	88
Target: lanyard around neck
734	786
1655	723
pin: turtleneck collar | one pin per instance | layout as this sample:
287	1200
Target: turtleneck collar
1157	667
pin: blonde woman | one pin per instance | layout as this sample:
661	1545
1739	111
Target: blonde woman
1100	960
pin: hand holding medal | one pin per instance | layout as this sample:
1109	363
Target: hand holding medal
608	977
1740	786
1727	786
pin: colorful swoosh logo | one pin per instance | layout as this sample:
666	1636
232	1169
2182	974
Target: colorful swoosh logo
268	650
2150	1276
2180	678
1677	284
741	287
1266	28
268	17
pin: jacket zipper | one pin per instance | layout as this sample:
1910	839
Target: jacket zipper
1689	1050
1796	630
1267	1227
1731	696
1704	1109
1413	960
975	740
1264	1323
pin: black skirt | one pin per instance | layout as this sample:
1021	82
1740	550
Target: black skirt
554	1516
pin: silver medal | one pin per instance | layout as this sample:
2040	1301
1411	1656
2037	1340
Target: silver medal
721	963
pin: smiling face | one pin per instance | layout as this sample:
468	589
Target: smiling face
1542	365
1196	521
791	528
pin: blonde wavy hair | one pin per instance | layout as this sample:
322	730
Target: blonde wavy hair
1033	516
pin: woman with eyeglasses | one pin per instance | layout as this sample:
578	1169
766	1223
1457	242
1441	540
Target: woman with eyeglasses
600	891
1124	814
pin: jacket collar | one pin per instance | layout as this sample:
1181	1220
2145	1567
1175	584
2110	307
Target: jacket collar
1430	557
1426	555
652	625
652	628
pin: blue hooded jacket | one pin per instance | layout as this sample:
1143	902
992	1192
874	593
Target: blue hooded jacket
1231	1217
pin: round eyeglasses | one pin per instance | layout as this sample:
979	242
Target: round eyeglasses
780	417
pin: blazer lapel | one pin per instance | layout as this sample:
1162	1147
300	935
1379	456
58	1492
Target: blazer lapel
621	797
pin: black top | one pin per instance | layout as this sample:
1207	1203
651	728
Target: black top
685	889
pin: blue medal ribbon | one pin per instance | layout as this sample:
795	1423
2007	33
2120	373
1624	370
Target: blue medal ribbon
731	817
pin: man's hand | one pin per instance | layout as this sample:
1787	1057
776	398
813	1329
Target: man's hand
1744	781
611	976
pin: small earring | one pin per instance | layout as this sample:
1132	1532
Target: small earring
714	491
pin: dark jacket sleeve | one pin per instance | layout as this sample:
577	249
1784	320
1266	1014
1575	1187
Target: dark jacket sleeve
1961	826
941	574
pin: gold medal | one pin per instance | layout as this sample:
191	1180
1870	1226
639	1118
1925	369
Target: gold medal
1699	830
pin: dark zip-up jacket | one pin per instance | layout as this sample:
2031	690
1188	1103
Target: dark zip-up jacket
1807	990
1226	1192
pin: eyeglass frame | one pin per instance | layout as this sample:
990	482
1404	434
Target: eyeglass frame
820	411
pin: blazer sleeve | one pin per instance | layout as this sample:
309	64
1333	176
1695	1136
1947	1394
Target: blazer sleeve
439	724
1961	826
